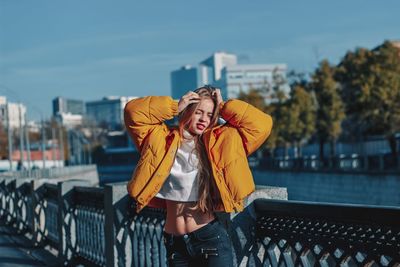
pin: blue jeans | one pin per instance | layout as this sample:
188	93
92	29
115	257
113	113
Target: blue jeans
208	246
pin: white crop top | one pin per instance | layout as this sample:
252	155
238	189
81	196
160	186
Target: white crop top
182	183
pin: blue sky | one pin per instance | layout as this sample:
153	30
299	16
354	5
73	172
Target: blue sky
87	49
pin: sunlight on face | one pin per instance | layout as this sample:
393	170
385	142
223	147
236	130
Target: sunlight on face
201	117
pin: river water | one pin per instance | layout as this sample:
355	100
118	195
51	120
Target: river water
311	186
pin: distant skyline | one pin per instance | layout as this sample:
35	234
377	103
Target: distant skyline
95	48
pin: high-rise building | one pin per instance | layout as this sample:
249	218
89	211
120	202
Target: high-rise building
64	105
183	80
68	112
12	114
235	79
210	68
108	111
221	70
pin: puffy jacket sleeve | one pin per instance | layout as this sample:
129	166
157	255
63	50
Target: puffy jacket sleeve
143	115
253	125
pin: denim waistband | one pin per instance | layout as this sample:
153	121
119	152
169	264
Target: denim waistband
170	237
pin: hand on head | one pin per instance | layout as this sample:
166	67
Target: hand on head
189	98
217	94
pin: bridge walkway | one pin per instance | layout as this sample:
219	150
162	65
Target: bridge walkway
17	250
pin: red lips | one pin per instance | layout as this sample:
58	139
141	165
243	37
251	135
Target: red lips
200	126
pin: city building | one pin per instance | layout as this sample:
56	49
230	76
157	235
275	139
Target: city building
33	126
69	120
16	113
64	105
222	70
237	78
210	69
183	80
37	154
107	112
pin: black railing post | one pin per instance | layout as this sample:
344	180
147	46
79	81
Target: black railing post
22	189
116	206
66	220
9	185
38	214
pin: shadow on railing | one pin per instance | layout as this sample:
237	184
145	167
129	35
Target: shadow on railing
96	226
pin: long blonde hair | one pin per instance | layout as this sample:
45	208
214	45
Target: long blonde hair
209	197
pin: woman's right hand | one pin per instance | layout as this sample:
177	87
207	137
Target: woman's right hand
189	98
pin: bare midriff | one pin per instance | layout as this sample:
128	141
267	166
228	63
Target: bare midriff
185	217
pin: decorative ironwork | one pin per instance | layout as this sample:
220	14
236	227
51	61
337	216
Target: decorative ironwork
39	206
132	239
90	224
99	227
145	238
7	200
295	233
51	213
90	234
23	211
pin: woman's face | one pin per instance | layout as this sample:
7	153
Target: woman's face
201	117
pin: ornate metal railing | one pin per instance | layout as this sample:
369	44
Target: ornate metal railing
133	239
7	196
96	226
90	223
50	195
309	234
23	201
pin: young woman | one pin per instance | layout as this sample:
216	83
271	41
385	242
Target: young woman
195	169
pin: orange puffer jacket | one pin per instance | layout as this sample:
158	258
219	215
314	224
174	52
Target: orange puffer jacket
227	145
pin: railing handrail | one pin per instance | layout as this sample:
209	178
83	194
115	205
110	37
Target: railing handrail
49	172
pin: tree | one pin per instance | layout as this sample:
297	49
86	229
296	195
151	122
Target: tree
300	117
253	97
371	90
256	97
351	74
278	90
330	108
293	114
278	136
